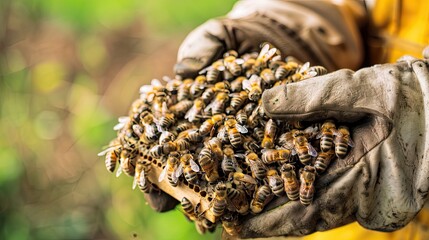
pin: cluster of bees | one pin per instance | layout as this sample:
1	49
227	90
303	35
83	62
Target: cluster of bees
208	143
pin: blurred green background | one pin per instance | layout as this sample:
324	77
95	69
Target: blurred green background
68	69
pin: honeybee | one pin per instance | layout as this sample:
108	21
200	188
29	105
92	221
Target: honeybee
285	140
181	108
249	108
233	64
213	71
159	104
269	134
267	53
323	159
158	151
183	91
166	119
260	199
218	105
127	163
253	87
258	133
183	126
142	167
237	200
241	117
303	73
250	144
144	184
208	125
208	95
275	182
302	147
112	155
238	99
230	224
198	86
147	92
268	77
208	164
188	208
290	181
172	85
222	134
218	204
229	162
237	84
170	169
166	136
275	155
191	135
285	70
319	70
306	191
342	141
234	131
326	135
196	110
150	127
259	170
189	168
243	181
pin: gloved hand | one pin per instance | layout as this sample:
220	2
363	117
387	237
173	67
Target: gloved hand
323	33
384	181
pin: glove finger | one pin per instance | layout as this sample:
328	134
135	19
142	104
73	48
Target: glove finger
160	201
344	95
201	47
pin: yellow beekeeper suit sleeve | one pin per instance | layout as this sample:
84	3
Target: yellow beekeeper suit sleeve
396	28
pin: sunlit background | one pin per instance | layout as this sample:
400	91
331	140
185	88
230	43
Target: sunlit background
68	69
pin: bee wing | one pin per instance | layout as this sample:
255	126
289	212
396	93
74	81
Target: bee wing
247	85
119	171
204	70
220	68
150	129
272	181
311	150
145	89
166	79
270	53
194	165
264	50
155	82
191	114
350	142
209	107
102	153
150	96
304	67
178	171
241	129
163	173
276	58
248	179
137	129
294	151
164	107
174	178
142	180
239	61
337	133
319	135
221	133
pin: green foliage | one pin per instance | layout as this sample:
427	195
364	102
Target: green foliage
68	69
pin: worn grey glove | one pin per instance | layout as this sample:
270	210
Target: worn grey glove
323	33
384	181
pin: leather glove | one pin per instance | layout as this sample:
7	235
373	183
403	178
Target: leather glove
384	181
323	33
